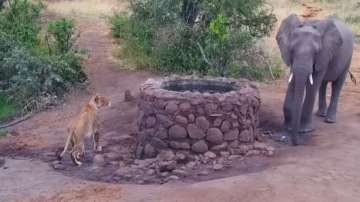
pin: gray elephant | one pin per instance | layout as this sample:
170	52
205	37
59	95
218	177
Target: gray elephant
317	52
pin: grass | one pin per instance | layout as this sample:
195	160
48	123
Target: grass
7	110
347	10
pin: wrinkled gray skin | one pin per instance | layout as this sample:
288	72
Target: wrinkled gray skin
323	49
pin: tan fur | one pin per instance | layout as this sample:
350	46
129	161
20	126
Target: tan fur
85	125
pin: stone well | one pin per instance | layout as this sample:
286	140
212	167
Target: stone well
196	115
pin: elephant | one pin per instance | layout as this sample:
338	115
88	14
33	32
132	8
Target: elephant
317	52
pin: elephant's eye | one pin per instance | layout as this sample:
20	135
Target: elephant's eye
301	25
314	26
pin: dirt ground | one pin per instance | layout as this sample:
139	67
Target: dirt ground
324	170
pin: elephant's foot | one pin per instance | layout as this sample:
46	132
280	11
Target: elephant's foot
330	117
304	128
321	113
330	120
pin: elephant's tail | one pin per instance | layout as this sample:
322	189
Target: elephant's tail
352	77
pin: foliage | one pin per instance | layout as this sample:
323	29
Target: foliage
62	33
21	21
186	36
7	109
30	72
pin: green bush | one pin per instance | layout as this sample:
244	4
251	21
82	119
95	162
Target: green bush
187	36
31	72
62	33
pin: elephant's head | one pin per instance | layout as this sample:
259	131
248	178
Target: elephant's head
307	48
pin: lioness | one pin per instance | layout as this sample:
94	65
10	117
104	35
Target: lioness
85	125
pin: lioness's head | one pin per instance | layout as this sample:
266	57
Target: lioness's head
101	101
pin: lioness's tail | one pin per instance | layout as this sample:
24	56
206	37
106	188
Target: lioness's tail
61	155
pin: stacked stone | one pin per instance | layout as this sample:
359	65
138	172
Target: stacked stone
196	122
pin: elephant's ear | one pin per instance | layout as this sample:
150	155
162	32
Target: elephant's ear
331	41
283	36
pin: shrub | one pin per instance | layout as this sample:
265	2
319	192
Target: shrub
30	72
20	20
186	36
62	33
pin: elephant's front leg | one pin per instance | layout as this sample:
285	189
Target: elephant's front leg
288	105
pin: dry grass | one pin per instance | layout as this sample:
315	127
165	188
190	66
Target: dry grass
348	10
86	8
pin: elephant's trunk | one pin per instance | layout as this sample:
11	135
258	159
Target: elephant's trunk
300	79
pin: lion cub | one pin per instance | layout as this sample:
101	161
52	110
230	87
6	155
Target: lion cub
85	125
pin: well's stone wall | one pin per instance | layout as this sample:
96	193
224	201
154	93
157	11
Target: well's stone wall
197	115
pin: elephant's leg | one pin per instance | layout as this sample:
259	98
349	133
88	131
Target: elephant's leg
322	100
288	104
336	89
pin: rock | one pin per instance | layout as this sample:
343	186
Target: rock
260	145
180	173
244	136
99	159
270	148
171	107
177	132
191	165
57	165
195	132
235	124
215	136
270	153
200	111
180	156
210	155
234	144
164	120
150	172
218	167
124	172
218	121
233	157
202	123
185	107
150	121
112	155
220	147
227	107
149	151
191	118
167	166
210	108
225	154
179	145
231	135
139	151
200	147
204	173
253	152
161	133
158	143
172	178
164	174
144	163
166	155
181	120
225	126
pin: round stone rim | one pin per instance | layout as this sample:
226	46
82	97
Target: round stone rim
154	87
